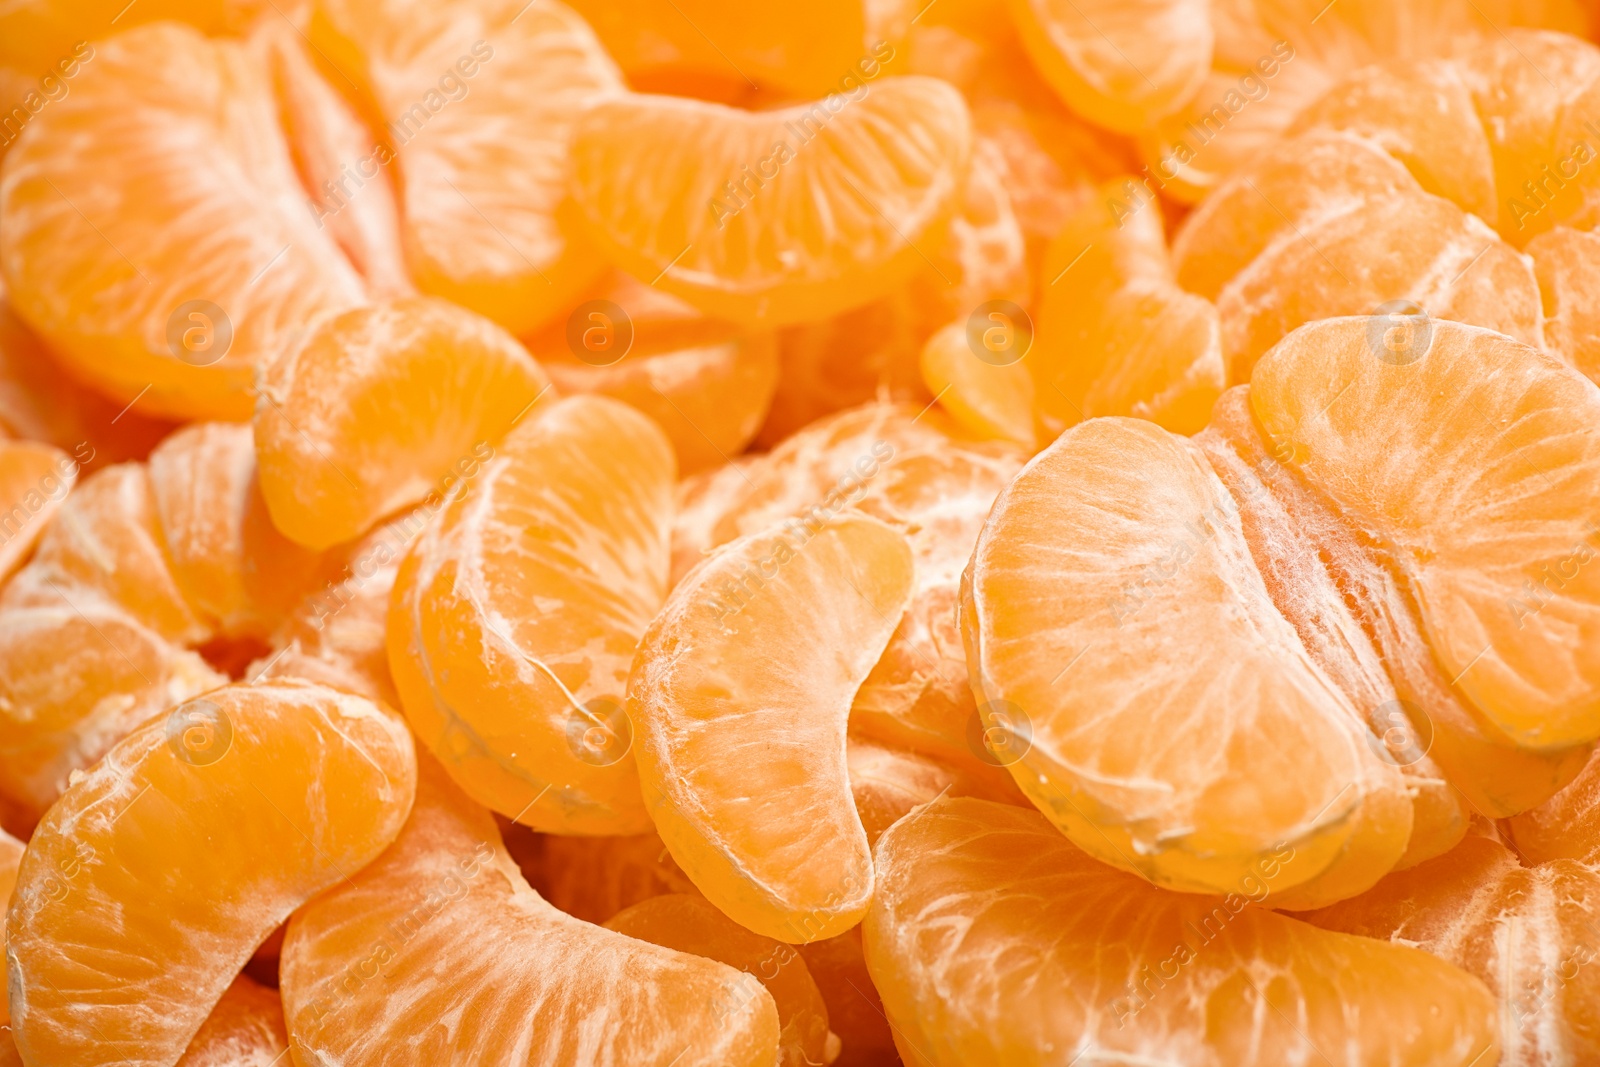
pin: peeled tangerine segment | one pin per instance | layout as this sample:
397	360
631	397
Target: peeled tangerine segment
1117	336
1567	263
1526	932
229	559
1470	459
991	399
1178	728
994	940
389	969
774	217
1118	63
220	268
690	923
151	882
75	680
382	406
34	480
740	695
1567	826
478	99
106	543
245	1029
515	619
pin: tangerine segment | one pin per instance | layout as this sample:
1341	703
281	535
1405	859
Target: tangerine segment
106	543
1116	335
219	269
232	564
74	680
1527	933
779	216
362	964
1463	454
1119	64
994	940
889	783
39	402
515	618
245	1029
10	859
34	480
1567	263
740	694
1229	743
917	695
707	383
1409	246
337	158
479	99
803	49
690	923
993	401
338	634
1290	185
1565	827
181	851
382	406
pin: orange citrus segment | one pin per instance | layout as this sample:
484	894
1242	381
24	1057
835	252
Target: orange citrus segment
706	383
382	406
1526	933
1118	63
106	543
855	1011
1116	335
443	891
593	878
1567	826
478	98
148	886
76	678
690	923
514	621
773	217
740	694
34	480
245	1029
994	940
1233	743
219	269
888	783
1567	263
1462	454
992	400
232	564
338	160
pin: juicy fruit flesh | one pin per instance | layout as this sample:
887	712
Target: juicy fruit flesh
994	940
1407	576
742	759
515	619
319	781
430	903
